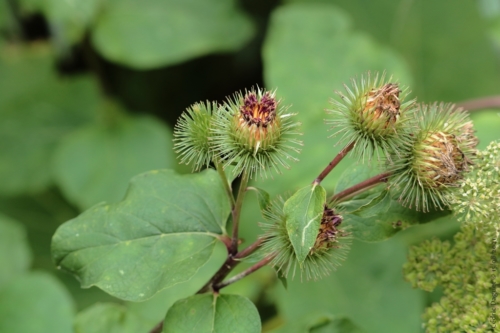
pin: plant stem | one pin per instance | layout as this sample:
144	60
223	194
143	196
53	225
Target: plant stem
491	102
158	328
360	187
227	186
236	211
249	250
246	272
334	163
229	265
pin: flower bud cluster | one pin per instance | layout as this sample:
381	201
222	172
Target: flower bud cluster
468	275
478	198
251	132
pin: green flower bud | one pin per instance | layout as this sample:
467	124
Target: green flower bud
254	132
436	158
191	135
330	248
373	114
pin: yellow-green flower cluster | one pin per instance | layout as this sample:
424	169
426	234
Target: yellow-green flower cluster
469	274
478	199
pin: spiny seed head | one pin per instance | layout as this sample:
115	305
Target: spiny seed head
254	132
435	161
330	247
191	135
373	114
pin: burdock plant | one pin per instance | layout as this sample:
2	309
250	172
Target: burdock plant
168	224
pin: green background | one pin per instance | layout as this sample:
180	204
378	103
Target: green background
90	91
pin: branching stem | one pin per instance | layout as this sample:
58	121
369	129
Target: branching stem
243	274
229	265
360	187
336	160
491	102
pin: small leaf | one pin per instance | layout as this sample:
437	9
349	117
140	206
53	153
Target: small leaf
154	33
304	211
281	278
320	323
35	303
159	235
95	163
15	255
209	313
262	196
108	318
379	217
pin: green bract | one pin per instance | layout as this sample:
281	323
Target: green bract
372	115
434	162
254	132
192	133
328	249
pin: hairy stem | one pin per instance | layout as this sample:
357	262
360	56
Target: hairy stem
334	163
227	186
360	187
243	274
229	265
491	102
236	211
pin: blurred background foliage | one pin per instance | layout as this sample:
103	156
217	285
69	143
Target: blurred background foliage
89	93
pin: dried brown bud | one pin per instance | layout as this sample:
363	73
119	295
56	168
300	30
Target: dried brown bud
329	233
383	102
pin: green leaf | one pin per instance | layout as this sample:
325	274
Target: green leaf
95	163
320	323
36	114
426	34
109	318
354	175
211	313
281	278
70	19
141	317
379	217
262	196
304	211
308	69
368	288
35	303
154	33
15	254
159	235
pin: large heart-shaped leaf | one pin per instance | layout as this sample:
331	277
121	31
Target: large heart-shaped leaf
153	33
95	163
159	235
211	313
303	213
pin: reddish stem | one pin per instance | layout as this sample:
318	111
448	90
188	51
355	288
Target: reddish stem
360	187
491	102
334	163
